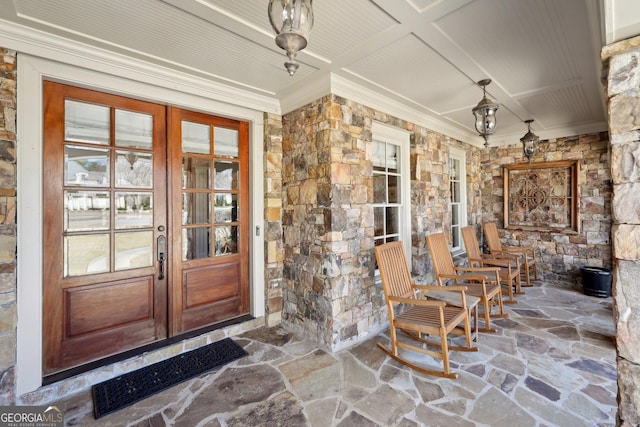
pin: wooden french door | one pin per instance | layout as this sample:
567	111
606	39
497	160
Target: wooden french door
145	226
209	191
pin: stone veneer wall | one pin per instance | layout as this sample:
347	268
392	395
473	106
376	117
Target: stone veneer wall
8	320
622	60
330	294
562	253
273	239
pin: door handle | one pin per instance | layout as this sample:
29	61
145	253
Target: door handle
161	256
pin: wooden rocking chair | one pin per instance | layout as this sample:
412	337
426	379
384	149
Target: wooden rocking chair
509	267
419	317
527	254
481	282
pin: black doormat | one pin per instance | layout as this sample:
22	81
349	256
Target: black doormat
120	392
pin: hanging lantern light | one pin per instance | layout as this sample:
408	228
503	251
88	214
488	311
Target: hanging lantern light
485	114
529	141
292	21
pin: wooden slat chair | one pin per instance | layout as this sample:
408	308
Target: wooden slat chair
509	267
527	254
481	282
419	317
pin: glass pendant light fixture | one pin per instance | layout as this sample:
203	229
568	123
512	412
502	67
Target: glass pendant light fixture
292	21
485	114
529	141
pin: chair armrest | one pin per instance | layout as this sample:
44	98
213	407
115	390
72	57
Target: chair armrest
472	269
419	302
499	262
428	288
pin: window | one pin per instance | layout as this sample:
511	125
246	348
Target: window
457	186
391	200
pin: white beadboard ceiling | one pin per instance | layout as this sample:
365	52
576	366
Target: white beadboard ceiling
422	55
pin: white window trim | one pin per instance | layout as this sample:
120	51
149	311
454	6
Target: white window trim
402	138
107	77
461	156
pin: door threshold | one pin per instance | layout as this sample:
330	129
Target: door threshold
68	373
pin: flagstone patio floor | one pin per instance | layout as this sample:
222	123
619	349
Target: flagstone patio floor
552	363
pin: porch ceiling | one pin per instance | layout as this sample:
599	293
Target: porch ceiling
542	55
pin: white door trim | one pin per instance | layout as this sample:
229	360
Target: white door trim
102	76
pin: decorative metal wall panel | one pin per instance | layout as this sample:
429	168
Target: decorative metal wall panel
542	195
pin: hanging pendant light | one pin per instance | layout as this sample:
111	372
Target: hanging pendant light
485	114
529	141
292	21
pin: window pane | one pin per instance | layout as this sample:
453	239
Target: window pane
378	156
134	210
85	122
455	237
392	220
226	208
393	156
455	214
134	169
225	142
86	210
134	129
86	166
379	188
226	240
195	173
134	250
196	243
225	176
86	254
394	189
196	208
378	221
195	138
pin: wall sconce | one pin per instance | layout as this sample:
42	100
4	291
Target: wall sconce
292	21
485	114
529	141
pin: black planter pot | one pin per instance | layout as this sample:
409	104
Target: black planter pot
596	281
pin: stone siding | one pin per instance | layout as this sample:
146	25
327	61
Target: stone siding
622	60
561	254
330	294
8	316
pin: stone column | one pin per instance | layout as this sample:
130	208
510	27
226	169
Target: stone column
8	318
273	249
623	87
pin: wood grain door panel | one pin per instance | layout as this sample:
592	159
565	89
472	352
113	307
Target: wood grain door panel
211	284
106	306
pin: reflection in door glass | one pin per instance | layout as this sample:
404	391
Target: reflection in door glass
226	176
196	243
134	129
134	169
226	240
86	210
225	142
196	208
134	250
195	138
86	166
84	122
195	173
226	208
87	254
134	210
